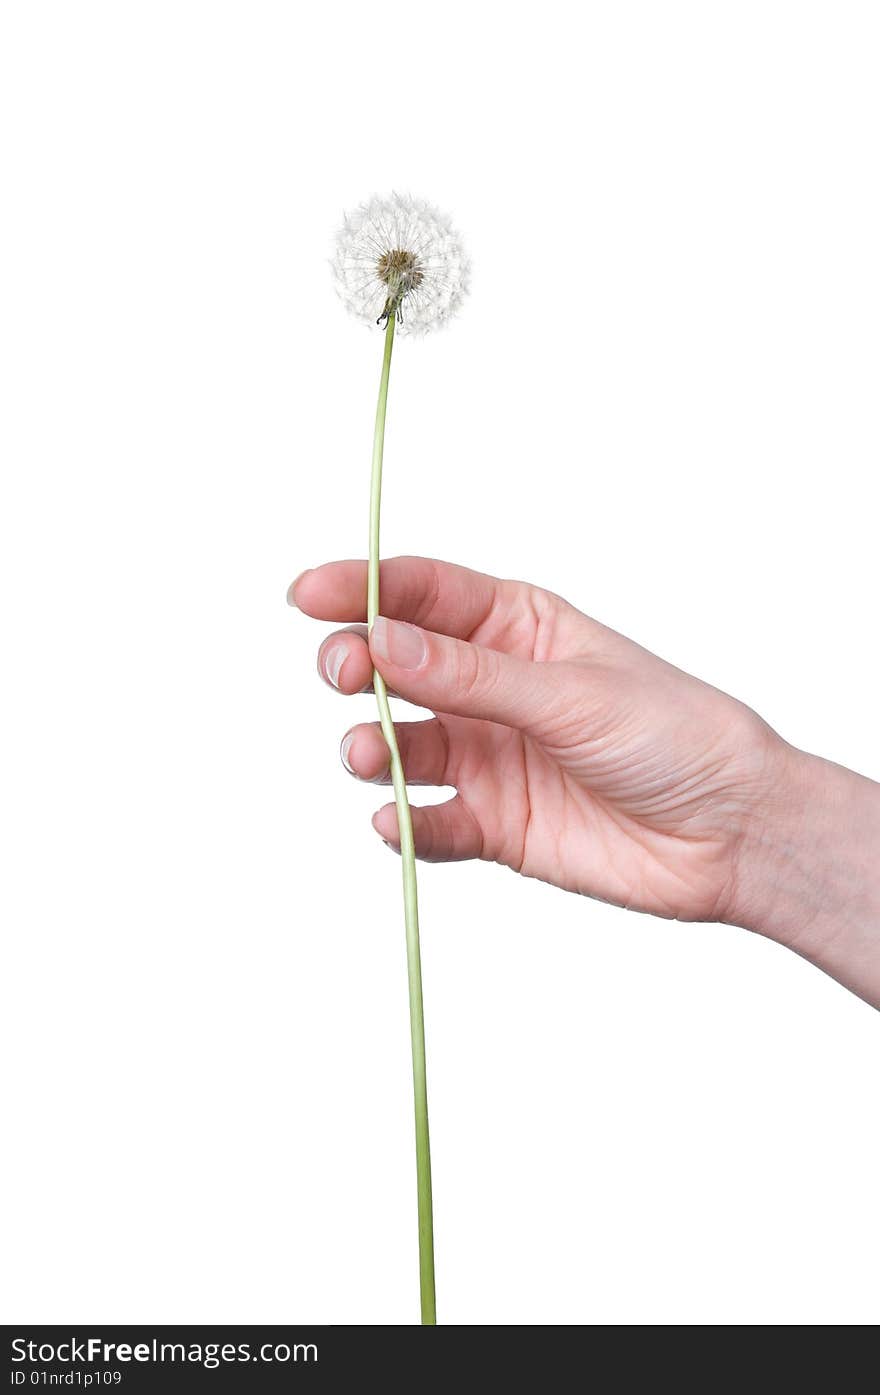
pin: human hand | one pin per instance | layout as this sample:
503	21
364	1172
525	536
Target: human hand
577	756
580	758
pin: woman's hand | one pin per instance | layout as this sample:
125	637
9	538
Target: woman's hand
577	756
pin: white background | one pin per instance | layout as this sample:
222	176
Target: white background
661	401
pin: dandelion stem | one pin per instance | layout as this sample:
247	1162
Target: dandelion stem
408	863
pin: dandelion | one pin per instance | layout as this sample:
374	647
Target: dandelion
400	258
400	264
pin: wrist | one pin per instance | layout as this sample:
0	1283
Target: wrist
808	867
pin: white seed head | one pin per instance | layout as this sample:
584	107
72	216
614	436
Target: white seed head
399	256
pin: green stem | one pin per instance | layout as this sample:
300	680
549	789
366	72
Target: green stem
408	862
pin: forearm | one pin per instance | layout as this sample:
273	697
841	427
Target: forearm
808	874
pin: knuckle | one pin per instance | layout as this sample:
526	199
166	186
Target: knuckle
423	833
477	671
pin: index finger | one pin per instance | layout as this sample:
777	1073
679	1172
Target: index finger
438	596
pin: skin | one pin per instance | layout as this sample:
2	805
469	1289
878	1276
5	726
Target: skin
582	759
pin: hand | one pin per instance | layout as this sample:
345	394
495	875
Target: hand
578	757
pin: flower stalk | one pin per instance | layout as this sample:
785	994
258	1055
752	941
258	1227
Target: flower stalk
400	263
408	863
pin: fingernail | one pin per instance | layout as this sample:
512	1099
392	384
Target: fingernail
333	660
398	643
291	590
344	750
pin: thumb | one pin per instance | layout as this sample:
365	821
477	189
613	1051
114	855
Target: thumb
450	675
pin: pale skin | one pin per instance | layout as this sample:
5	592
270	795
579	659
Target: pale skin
582	759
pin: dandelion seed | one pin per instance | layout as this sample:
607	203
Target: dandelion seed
400	257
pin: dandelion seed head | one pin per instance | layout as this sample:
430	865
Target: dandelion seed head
400	256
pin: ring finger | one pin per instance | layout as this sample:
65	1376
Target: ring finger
424	751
